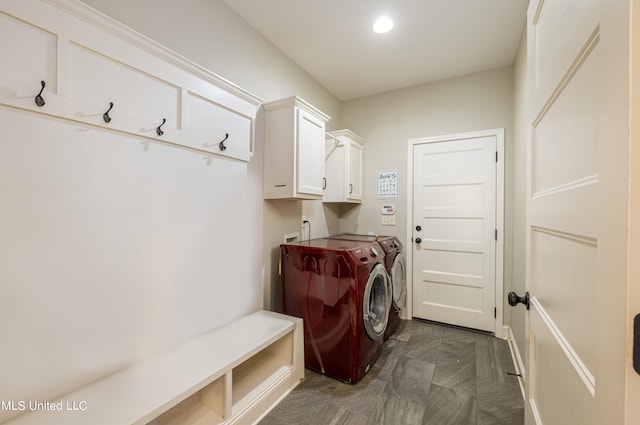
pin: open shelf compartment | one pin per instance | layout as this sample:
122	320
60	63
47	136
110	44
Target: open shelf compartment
207	406
260	372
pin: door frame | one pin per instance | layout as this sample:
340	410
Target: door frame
407	313
633	294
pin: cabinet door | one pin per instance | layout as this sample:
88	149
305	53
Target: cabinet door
310	149
354	170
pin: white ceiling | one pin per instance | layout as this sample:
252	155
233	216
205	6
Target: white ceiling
431	40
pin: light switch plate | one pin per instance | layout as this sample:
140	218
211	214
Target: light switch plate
388	220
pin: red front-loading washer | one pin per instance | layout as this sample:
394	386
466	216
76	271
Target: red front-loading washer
396	268
342	292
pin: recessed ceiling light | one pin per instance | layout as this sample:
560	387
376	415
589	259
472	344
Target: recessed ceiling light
382	25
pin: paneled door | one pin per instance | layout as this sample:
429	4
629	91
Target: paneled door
577	211
455	230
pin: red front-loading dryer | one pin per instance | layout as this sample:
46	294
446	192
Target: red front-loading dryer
342	292
396	268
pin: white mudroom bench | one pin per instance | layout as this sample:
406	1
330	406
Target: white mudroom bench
232	375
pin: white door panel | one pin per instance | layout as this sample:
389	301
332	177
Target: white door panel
455	207
453	229
576	213
554	389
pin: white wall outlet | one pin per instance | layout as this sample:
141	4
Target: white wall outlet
292	237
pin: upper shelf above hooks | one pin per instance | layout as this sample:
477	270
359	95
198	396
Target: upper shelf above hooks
158	92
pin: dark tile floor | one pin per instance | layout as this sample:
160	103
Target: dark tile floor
427	374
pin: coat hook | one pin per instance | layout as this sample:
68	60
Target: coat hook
39	98
106	116
221	144
159	131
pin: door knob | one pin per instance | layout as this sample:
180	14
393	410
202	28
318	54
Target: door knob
514	299
418	240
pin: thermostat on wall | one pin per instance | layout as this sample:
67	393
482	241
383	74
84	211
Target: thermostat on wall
387	209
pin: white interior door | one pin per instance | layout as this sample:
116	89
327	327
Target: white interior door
455	232
577	211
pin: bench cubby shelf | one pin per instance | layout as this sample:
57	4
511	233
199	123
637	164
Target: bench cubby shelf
232	375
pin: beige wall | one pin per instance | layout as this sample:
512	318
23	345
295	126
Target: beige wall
387	121
212	35
209	33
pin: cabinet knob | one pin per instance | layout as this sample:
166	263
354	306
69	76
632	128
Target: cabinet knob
418	228
418	240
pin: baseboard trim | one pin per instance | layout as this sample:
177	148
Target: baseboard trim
517	359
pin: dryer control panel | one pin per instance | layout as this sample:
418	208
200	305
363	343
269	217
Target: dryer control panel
375	252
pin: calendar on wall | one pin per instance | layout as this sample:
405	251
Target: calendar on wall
387	184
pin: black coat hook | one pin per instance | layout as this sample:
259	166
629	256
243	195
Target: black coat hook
221	144
106	116
159	131
39	99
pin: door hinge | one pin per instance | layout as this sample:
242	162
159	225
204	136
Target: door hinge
495	312
496	234
496	156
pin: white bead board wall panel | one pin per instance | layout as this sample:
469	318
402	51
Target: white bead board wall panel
110	236
89	61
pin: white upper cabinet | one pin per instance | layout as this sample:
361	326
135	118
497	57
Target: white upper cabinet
343	166
294	150
95	71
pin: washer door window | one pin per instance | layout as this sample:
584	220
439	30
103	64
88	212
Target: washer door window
376	302
399	282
